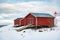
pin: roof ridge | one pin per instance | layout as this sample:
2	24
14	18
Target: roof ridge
42	15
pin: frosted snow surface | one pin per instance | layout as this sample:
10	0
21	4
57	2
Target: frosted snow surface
8	33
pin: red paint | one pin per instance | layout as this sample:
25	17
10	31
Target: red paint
41	21
16	22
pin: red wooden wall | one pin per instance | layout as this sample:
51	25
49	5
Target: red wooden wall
45	21
41	21
16	22
28	19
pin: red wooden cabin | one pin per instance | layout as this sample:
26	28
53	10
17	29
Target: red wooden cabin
36	19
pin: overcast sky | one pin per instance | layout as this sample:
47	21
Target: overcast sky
12	9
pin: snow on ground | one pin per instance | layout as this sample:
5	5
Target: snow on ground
8	33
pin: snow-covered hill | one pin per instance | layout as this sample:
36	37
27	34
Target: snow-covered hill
8	33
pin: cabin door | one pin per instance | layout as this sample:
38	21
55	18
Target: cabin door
30	21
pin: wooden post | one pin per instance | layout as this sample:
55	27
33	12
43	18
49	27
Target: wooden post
36	22
55	21
20	22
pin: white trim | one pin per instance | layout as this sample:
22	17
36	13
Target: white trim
36	22
20	22
55	20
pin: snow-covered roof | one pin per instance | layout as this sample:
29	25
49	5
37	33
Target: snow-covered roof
41	15
18	18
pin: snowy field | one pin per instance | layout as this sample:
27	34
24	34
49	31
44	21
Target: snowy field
8	33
